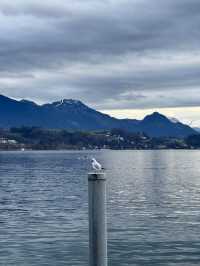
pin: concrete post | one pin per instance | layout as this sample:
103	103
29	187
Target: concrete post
97	219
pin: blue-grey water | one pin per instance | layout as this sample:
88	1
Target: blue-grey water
153	207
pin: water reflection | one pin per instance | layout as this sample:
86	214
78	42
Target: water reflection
153	207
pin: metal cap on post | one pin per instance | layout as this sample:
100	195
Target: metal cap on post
97	219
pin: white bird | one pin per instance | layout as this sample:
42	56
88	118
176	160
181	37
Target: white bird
96	165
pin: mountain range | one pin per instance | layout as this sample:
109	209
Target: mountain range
75	115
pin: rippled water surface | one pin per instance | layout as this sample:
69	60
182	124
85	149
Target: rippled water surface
153	207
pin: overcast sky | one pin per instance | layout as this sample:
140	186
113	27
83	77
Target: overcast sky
114	55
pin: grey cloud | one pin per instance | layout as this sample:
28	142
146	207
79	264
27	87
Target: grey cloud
44	43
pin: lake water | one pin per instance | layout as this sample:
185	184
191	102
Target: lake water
153	207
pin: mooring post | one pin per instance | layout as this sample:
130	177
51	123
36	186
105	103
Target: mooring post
97	219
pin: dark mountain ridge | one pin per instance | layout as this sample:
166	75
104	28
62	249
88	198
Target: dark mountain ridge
74	115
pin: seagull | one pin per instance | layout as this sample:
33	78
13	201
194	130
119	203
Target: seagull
95	165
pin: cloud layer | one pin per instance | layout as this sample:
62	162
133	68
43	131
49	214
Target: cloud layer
110	54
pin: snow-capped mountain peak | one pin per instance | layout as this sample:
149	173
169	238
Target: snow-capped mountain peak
173	120
65	102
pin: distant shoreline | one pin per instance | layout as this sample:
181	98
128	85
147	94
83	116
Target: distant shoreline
31	138
92	150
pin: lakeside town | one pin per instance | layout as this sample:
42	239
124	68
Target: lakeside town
34	138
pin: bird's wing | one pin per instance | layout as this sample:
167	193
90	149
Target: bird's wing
98	165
